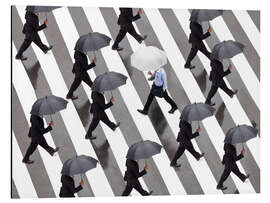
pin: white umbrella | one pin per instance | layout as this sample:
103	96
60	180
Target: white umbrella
148	58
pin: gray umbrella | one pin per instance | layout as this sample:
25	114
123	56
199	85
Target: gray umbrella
200	15
92	42
197	112
39	9
48	105
143	150
78	165
240	134
108	81
227	49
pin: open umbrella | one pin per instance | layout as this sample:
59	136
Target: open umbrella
48	105
200	15
92	41
227	49
108	81
39	9
143	150
148	58
197	112
240	134
78	165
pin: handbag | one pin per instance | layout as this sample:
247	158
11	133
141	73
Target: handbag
157	90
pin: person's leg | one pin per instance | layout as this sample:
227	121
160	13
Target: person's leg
225	88
237	172
192	54
45	146
137	186
26	43
203	49
148	102
211	93
178	154
87	80
105	119
39	43
127	190
93	125
32	147
122	33
191	150
76	83
224	176
169	100
131	30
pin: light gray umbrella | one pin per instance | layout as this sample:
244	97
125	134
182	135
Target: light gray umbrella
78	165
143	150
108	81
39	9
92	42
197	112
48	105
200	15
240	134
227	49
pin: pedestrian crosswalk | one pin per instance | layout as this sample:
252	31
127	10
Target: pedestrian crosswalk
55	77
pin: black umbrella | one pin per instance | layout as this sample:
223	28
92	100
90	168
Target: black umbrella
227	49
108	81
143	150
200	15
197	112
39	9
78	165
92	41
240	134
48	105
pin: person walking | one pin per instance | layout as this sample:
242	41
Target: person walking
68	186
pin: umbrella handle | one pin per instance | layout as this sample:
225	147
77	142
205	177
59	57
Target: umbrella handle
199	124
81	178
51	117
243	146
111	94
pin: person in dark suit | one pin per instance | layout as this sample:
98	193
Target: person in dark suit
216	76
80	69
159	88
36	133
30	29
68	186
131	176
125	20
196	38
184	138
98	108
229	160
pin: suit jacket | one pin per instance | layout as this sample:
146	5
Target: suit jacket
196	36
81	66
37	129
31	26
185	135
217	73
132	173
126	16
98	106
68	187
230	156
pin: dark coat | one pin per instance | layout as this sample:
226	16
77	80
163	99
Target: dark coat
98	106
185	135
37	129
196	36
126	16
81	66
217	73
132	173
31	26
230	156
68	187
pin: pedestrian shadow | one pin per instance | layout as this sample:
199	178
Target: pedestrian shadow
220	114
84	112
103	153
32	73
157	118
202	80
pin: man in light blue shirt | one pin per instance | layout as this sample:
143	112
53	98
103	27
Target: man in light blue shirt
158	89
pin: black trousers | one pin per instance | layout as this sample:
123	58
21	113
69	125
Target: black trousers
194	49
151	97
181	150
77	81
124	29
33	146
214	89
99	117
137	186
227	170
27	42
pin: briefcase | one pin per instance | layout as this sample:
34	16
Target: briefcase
157	91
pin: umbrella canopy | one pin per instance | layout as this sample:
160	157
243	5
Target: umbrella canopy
39	9
148	58
197	112
48	105
92	42
108	81
227	49
143	150
200	15
78	165
240	134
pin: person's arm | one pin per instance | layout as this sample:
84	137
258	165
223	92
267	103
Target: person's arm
100	102
199	34
77	189
36	124
194	135
233	155
85	65
225	73
38	27
136	17
72	188
138	174
108	105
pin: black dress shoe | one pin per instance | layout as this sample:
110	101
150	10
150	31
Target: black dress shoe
221	188
150	193
55	150
21	58
189	66
116	126
117	48
234	92
202	154
210	103
27	161
143	38
87	137
71	97
49	48
142	111
247	176
173	109
175	165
